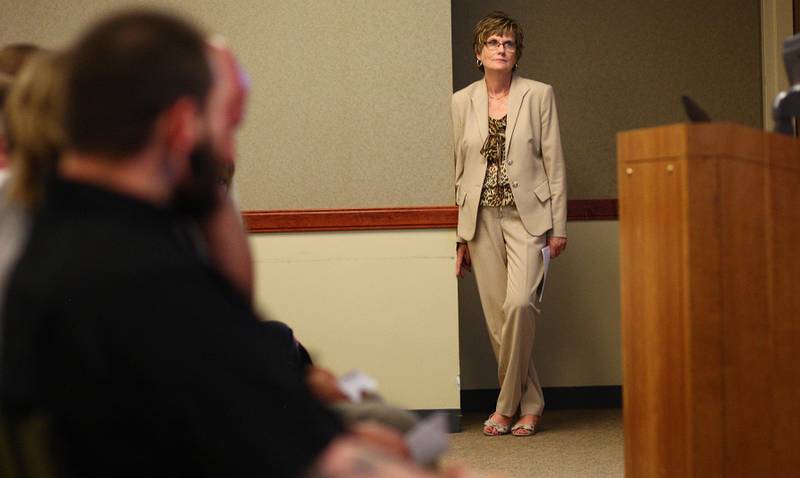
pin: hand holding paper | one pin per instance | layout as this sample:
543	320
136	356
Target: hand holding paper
545	266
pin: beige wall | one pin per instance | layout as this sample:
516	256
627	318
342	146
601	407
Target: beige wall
382	302
350	99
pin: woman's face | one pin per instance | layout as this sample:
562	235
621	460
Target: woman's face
499	53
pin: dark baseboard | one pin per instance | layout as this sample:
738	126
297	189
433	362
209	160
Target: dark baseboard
556	398
453	417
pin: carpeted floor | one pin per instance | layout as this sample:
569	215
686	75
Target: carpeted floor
568	443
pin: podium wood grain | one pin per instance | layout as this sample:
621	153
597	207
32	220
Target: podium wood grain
709	215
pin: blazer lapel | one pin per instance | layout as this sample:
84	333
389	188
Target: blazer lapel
480	105
516	94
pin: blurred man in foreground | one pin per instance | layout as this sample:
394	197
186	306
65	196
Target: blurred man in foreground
145	359
143	355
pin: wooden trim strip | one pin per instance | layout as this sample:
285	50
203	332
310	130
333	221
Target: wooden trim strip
592	210
436	217
420	217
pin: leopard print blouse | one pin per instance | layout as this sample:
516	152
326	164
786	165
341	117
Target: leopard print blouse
496	190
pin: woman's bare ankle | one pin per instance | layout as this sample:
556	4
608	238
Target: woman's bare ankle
500	418
529	419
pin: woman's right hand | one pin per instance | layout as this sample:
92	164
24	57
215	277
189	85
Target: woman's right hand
463	260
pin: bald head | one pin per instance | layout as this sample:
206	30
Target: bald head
227	100
233	78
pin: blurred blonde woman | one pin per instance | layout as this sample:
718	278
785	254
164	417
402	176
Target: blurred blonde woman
34	126
512	203
32	123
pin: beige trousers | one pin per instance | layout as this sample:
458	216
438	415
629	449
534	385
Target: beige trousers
508	268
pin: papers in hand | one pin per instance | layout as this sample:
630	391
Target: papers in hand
546	266
428	440
355	383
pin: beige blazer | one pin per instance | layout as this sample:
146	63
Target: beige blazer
534	158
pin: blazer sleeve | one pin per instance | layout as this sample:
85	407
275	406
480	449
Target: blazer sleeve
553	157
458	157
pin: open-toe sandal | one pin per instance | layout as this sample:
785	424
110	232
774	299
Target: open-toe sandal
492	428
523	430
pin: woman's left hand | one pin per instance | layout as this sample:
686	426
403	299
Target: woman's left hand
557	245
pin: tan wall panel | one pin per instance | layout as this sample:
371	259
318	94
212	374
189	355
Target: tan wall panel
382	302
350	99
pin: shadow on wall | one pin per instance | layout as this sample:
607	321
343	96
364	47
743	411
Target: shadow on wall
478	365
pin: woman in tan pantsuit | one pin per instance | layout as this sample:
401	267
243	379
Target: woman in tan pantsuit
512	202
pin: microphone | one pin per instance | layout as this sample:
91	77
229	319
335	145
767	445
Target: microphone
787	104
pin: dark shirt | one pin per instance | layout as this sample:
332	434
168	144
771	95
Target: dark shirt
146	361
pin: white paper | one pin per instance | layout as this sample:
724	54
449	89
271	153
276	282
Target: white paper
546	257
355	383
428	440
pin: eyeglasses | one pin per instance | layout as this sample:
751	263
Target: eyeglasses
494	45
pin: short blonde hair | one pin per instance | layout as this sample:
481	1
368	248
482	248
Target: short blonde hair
13	57
496	23
34	117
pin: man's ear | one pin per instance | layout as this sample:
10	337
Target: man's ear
180	128
3	153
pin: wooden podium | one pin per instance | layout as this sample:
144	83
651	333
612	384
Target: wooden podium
709	219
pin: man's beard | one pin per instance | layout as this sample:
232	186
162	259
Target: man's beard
196	197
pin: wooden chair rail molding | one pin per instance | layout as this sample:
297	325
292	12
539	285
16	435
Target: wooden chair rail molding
417	217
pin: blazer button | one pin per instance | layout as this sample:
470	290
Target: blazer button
515	184
510	162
